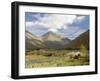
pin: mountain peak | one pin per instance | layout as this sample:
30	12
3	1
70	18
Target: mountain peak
50	32
51	36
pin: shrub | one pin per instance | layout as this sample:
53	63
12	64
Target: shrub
83	49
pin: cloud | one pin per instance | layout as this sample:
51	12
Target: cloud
57	21
53	21
80	17
32	24
69	26
30	16
36	28
72	32
81	22
53	30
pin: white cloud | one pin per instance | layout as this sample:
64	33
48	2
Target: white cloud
57	21
29	23
80	17
53	21
53	30
32	24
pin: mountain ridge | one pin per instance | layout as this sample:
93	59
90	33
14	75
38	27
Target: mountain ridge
82	39
51	40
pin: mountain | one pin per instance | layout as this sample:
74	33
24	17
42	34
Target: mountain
82	39
65	41
49	40
32	41
32	36
51	36
53	40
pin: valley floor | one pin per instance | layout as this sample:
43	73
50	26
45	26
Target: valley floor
56	58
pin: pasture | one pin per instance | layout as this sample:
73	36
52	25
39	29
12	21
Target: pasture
56	58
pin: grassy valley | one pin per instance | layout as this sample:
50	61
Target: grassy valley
56	58
53	51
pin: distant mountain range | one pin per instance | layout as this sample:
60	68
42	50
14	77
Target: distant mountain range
51	40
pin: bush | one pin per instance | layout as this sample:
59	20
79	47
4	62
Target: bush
85	53
83	49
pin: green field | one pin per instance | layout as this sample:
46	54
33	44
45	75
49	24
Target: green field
56	58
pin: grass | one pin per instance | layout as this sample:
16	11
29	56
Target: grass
55	58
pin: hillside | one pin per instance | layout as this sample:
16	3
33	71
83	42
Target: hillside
51	40
32	41
82	39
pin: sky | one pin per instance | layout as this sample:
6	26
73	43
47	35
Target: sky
66	25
